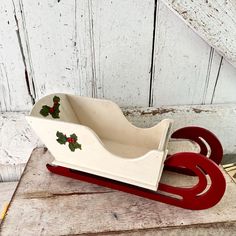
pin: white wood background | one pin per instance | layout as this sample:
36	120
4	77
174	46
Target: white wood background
136	53
104	49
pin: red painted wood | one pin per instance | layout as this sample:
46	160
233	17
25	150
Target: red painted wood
191	198
196	134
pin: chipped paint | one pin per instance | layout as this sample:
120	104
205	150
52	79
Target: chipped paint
221	119
213	21
197	110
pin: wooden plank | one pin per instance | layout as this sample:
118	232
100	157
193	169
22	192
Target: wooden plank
122	38
220	119
14	94
225	89
48	34
213	20
214	70
48	204
186	70
6	191
96	48
181	62
220	82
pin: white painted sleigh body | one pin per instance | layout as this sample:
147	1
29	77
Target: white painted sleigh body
107	144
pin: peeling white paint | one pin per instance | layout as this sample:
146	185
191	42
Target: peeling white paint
213	20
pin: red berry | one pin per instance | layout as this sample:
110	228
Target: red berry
51	110
70	140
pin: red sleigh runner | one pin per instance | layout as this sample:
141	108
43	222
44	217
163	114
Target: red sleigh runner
92	141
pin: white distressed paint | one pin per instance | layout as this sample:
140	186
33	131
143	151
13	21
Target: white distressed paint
104	49
13	87
181	62
225	91
47	29
213	20
17	139
122	37
214	68
94	48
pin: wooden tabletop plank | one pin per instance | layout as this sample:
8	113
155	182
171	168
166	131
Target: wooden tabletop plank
47	204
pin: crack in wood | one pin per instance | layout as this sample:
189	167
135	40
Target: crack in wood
92	50
152	68
78	85
3	72
217	79
197	110
215	225
20	43
151	111
208	74
44	195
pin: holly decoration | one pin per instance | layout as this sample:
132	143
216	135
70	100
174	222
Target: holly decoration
72	141
54	110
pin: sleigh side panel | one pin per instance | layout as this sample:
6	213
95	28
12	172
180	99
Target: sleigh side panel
94	158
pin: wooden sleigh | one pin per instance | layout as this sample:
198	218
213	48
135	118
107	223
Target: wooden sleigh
92	141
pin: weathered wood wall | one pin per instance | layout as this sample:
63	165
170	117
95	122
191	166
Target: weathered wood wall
213	20
135	53
17	140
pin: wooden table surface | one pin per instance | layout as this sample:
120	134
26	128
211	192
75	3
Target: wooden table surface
48	204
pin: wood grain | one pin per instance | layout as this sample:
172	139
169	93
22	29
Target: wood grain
122	37
47	31
220	119
93	48
226	84
213	20
14	94
115	50
45	204
6	192
181	62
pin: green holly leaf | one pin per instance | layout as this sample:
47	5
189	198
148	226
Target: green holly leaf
61	138
56	112
72	147
55	115
78	145
59	134
56	107
56	99
61	141
45	110
74	136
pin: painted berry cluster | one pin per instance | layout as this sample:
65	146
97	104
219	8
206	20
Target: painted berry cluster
72	140
54	110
